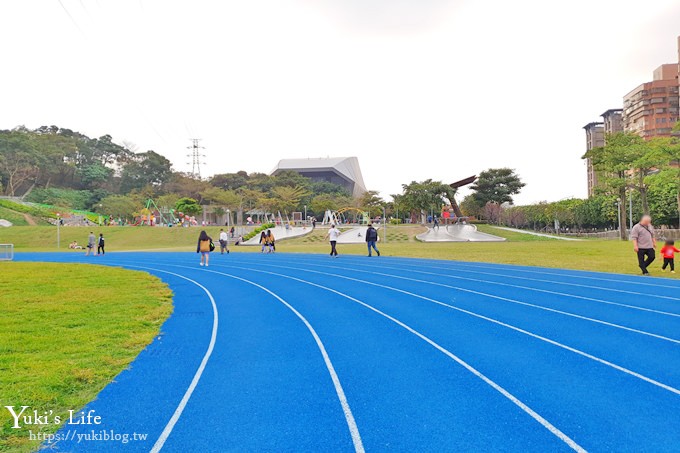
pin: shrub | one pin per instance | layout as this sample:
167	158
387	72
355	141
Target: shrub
258	230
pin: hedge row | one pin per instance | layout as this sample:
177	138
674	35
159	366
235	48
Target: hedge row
258	230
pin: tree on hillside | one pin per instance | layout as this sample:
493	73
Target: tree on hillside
230	181
185	186
20	161
224	198
122	206
149	168
496	185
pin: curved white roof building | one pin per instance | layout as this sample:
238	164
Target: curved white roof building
344	171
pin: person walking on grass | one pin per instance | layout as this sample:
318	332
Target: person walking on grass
332	235
224	242
100	245
204	247
644	243
90	244
668	252
271	242
371	240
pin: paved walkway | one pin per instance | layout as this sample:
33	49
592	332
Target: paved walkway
534	233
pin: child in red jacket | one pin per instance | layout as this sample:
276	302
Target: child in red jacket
668	251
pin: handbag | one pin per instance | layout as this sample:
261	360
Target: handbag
212	246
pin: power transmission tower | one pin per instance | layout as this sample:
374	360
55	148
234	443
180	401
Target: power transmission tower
195	157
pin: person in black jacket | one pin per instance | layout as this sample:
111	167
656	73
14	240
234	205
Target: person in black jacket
100	245
371	239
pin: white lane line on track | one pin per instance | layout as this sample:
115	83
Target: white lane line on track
458	265
199	372
570	275
533	414
349	417
529	288
514	301
500	323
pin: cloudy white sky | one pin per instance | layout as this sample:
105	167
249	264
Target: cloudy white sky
415	88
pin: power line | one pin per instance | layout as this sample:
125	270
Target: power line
195	156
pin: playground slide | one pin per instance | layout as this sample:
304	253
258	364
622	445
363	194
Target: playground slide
354	235
457	233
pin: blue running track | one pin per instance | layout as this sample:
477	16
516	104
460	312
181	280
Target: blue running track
304	353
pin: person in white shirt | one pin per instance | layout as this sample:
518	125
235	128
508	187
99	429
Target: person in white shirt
224	241
333	234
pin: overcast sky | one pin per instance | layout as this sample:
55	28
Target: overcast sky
415	88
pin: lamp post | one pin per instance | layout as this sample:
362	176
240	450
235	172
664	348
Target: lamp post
58	230
305	222
385	223
618	216
630	211
228	218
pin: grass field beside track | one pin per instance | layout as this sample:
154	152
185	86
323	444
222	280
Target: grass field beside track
67	331
520	249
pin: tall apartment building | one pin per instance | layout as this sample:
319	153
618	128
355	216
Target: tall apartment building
613	121
651	109
594	139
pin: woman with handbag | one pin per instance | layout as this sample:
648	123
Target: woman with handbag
204	247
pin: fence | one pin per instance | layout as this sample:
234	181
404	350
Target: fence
6	252
661	233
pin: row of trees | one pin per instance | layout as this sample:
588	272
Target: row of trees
64	168
628	164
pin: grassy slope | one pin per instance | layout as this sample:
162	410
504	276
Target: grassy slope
62	342
606	256
17	218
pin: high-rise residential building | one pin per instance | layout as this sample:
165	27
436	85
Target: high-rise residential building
612	120
594	139
651	109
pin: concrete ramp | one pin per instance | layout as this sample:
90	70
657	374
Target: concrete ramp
280	233
457	233
356	235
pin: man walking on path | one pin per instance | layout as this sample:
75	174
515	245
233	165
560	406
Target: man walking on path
90	244
371	239
644	243
333	234
224	242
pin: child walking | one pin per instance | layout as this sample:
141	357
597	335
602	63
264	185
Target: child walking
668	252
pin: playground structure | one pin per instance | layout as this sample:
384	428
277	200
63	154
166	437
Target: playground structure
341	217
152	215
458	232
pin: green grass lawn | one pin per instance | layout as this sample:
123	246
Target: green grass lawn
66	330
523	249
